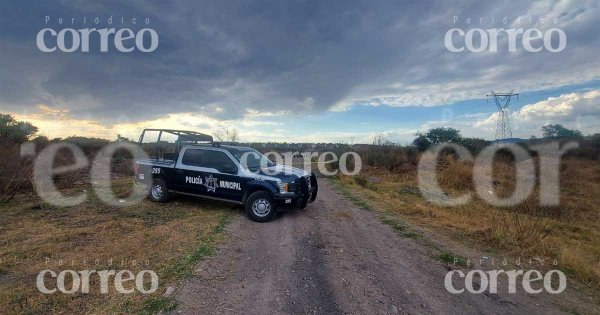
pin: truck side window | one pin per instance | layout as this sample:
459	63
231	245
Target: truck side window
219	161
193	158
209	159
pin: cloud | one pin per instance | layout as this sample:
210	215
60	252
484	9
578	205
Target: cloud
566	107
254	127
575	110
56	123
224	60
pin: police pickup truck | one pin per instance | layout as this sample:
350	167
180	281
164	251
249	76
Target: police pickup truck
190	163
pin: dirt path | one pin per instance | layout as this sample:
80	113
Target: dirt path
330	258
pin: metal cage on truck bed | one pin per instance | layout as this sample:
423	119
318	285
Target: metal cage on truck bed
165	144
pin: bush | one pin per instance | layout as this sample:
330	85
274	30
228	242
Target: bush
90	146
15	172
589	148
475	145
391	158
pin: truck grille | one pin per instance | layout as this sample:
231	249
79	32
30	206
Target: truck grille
301	185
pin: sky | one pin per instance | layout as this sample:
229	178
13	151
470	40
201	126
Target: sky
299	71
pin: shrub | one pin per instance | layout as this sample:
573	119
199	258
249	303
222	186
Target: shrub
90	146
15	172
391	158
475	145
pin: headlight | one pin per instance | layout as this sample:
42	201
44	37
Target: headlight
284	188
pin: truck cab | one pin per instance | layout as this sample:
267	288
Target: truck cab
191	163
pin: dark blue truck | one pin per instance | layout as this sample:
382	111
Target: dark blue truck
191	163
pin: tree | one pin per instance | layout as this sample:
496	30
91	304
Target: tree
559	131
123	139
380	139
226	134
421	142
18	131
443	135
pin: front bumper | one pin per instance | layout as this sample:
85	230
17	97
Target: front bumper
304	192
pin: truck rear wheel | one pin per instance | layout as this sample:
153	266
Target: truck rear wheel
260	207
158	191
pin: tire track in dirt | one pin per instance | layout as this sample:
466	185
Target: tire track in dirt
331	258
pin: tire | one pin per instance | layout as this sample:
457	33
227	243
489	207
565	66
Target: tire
158	191
260	207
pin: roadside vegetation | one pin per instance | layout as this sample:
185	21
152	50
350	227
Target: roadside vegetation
569	233
172	237
168	239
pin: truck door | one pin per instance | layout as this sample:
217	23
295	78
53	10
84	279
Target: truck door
189	172
222	180
209	173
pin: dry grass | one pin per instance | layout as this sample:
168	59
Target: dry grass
35	236
570	233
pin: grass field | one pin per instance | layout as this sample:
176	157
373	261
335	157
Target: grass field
166	238
569	233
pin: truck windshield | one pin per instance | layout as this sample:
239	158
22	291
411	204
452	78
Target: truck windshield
250	158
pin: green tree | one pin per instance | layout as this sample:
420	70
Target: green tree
474	145
443	135
19	131
559	131
421	142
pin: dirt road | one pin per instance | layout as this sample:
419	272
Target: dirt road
330	258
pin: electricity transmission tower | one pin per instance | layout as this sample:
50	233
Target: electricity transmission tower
502	101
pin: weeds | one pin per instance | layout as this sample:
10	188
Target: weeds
398	226
569	233
361	181
452	259
156	305
172	237
184	267
351	197
525	230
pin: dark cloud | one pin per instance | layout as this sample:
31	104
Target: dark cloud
222	58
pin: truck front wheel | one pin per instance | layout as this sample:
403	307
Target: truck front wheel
260	207
158	191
